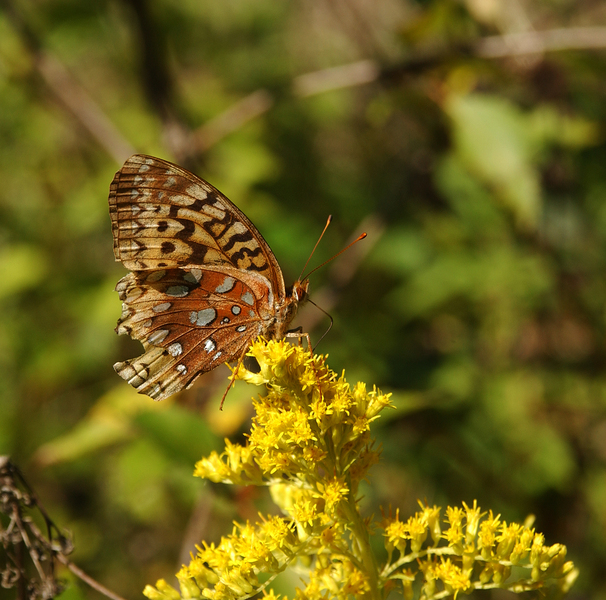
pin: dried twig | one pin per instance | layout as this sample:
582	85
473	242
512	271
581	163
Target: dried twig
21	536
235	117
534	42
67	90
367	71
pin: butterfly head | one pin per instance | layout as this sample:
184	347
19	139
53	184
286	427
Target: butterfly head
300	290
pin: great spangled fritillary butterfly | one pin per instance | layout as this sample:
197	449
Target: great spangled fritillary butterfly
203	283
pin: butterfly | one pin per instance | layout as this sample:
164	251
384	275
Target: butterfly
203	282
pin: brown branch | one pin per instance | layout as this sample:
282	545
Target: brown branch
80	104
70	93
343	76
367	71
157	81
67	90
236	116
78	572
16	498
533	42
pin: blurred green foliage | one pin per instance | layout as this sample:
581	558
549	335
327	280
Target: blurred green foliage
480	302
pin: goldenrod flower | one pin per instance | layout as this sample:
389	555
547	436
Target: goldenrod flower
310	443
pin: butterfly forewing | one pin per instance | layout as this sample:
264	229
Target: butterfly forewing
204	281
164	216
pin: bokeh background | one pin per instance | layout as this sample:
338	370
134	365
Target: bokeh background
467	137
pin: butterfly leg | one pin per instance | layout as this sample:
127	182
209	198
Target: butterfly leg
299	334
232	379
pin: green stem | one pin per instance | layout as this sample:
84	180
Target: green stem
364	551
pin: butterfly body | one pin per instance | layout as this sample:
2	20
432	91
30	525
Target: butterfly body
203	283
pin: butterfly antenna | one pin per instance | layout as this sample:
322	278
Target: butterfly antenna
329	327
360	237
312	252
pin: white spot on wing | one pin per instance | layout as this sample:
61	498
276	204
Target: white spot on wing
241	328
197	191
182	369
209	345
216	210
162	307
155	276
226	286
193	276
236	310
178	291
217	355
248	298
143	168
175	349
170	181
157	337
203	317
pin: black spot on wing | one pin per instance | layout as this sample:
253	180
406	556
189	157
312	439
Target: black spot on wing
246	253
198	252
167	247
246	236
189	228
198	205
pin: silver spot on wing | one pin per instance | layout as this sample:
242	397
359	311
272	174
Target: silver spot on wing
178	291
226	286
193	276
175	349
157	337
248	298
155	276
162	307
203	318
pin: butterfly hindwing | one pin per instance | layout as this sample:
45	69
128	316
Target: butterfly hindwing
189	321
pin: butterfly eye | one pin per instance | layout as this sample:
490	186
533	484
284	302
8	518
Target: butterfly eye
299	290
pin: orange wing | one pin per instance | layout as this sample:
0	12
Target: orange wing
204	281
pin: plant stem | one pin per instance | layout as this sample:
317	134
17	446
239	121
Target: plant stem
361	537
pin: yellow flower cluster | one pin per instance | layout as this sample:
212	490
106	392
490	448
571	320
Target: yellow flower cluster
310	444
231	569
480	553
310	426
